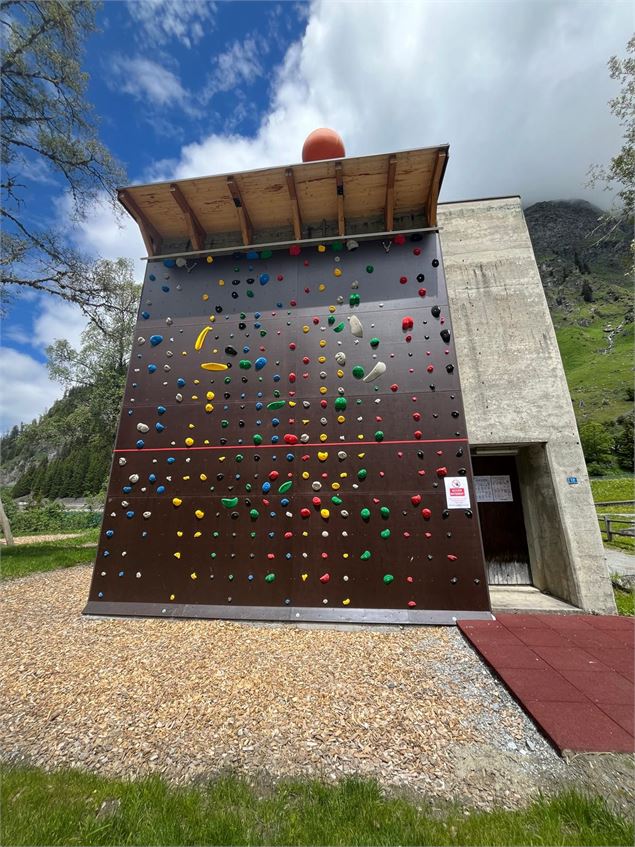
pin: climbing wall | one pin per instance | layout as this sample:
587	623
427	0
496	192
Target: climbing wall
292	443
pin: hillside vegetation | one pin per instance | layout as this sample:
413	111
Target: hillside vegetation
584	266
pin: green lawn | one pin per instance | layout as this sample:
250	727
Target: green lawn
63	808
625	602
622	488
23	559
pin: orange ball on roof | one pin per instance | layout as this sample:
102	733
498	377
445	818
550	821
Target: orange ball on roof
323	143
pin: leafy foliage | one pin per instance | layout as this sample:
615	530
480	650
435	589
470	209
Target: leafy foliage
49	129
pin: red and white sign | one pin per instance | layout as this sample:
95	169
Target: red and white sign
457	495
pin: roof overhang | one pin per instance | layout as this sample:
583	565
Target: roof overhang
357	195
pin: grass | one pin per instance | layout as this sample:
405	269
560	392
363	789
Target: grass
622	488
24	559
625	602
63	808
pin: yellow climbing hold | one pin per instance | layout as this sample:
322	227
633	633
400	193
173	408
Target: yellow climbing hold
205	296
210	395
331	309
343	475
341	419
322	287
323	389
172	596
197	534
361	455
321	359
305	576
222	458
197	382
346	602
191	426
360	437
214	366
335	486
305	329
176	501
177	555
325	514
305	474
194	396
305	534
193	575
323	456
323	436
209	407
291	403
179	533
201	337
321	248
203	477
189	441
340	373
187	478
221	282
210	259
337	272
344	555
199	513
322	342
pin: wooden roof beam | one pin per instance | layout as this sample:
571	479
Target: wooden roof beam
246	229
339	180
435	185
196	232
151	236
389	212
295	207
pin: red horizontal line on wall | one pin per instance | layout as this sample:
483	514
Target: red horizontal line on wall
289	446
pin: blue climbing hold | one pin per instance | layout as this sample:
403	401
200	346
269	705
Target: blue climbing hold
156	340
264	279
275	422
127	489
159	426
275	439
110	533
171	460
285	501
165	288
169	263
180	382
160	489
151	369
145	315
140	443
152	478
106	552
161	410
152	277
266	487
130	514
252	254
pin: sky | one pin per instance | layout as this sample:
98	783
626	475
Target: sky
182	88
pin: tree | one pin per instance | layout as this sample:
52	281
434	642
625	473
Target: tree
48	127
597	443
624	442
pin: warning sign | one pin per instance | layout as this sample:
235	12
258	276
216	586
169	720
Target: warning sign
457	495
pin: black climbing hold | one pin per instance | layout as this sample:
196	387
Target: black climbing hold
449	368
445	335
455	414
436	311
231	351
420	277
461	471
445	514
435	263
459	452
218	309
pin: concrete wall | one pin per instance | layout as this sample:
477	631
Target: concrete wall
515	391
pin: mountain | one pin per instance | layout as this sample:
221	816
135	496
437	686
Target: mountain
583	266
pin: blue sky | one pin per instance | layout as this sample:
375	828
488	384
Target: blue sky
519	88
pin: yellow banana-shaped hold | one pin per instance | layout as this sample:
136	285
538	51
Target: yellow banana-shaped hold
213	366
201	337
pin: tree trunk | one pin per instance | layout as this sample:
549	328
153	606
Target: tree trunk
5	525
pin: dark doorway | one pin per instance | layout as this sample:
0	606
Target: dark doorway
502	523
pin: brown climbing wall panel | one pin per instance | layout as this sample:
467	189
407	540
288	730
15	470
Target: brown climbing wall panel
292	443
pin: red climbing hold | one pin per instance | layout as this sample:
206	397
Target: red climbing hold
274	475
293	302
305	513
443	471
294	250
288	535
410	579
403	280
306	360
411	604
408	338
271	555
417	251
399	239
316	502
292	345
452	558
422	292
290	438
324	403
430	368
416	416
415	499
428	534
418	434
394	387
292	377
279	277
427	514
316	321
407	323
325	577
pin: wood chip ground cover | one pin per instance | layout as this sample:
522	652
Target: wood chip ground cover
414	707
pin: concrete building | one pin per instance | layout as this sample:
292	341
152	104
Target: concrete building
518	410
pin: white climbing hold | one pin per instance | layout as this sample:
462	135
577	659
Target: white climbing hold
354	285
344	513
351	244
169	321
178	397
342	455
377	371
122	461
134	477
141	340
181	263
143	427
340	357
146	515
356	326
304	438
316	485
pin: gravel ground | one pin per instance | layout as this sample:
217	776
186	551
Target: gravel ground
413	707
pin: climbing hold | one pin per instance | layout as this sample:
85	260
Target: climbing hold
286	486
358	372
378	370
388	578
339	327
445	335
325	578
254	513
322	456
276	404
356	326
384	512
354	299
263	279
270	577
176	501
260	363
156	340
374	343
200	514
340	358
385	533
362	473
244	364
365	555
442	471
200	338
407	323
365	514
340	403
214	366
379	435
229	350
427	514
229	502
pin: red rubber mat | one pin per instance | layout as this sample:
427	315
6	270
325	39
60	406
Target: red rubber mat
573	674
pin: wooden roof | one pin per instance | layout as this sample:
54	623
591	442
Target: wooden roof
291	200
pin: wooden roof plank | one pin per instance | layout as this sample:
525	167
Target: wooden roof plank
295	206
151	237
195	229
339	181
435	185
244	222
389	211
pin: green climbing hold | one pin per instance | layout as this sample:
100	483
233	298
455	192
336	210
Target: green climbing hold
365	514
257	438
263	332
388	578
229	502
276	393
385	533
384	512
270	577
369	269
252	534
215	534
337	246
239	457
331	320
245	364
379	435
224	424
362	473
340	403
285	487
248	487
276	404
365	555
339	327
336	501
242	316
227	380
358	372
254	513
266	254
354	299
374	343
250	293
213	555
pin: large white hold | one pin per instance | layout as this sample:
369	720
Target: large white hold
356	326
377	371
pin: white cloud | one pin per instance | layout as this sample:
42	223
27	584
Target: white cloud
237	65
519	90
149	82
27	391
163	21
57	319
